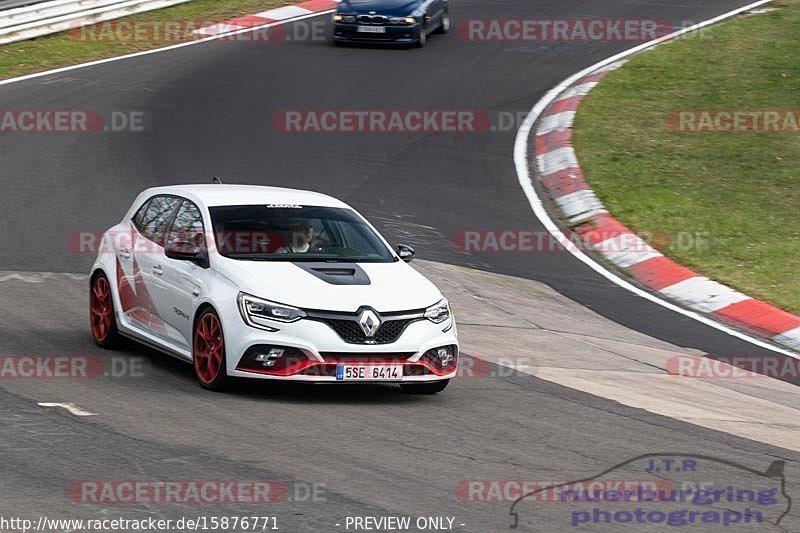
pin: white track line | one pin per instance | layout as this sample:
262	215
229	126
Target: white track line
71	407
158	50
522	143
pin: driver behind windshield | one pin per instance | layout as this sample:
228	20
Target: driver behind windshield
298	238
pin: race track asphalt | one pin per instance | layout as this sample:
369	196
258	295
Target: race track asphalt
210	111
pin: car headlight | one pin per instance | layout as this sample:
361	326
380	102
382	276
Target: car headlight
438	312
255	310
344	18
402	20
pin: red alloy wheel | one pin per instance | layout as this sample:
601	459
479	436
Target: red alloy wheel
209	348
101	308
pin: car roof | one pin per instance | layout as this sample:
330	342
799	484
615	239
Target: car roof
218	194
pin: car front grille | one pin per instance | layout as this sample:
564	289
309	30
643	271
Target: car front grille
372	19
347	327
351	332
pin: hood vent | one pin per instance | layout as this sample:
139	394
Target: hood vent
336	271
341	274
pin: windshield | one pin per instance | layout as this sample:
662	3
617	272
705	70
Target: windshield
295	233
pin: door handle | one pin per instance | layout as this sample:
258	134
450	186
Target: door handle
158	271
124	253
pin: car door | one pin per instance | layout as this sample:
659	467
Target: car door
128	273
140	291
181	280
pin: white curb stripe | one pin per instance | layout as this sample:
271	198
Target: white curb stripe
558	122
627	250
587	215
283	13
578	202
704	294
216	29
612	67
789	338
524	178
578	90
556	161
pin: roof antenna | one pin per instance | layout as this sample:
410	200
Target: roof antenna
216	181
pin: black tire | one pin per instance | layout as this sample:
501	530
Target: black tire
423	36
444	22
432	387
209	349
102	318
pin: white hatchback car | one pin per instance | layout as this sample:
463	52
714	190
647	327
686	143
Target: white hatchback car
272	283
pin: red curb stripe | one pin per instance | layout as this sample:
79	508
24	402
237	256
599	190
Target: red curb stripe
565	182
317	5
567	104
660	272
591	78
758	317
553	141
600	228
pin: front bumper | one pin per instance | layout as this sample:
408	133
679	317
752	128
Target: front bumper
318	351
346	32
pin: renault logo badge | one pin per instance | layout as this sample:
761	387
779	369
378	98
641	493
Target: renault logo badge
369	322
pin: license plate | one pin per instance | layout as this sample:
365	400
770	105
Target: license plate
372	29
369	373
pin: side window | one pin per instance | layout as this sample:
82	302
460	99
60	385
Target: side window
188	226
138	218
156	216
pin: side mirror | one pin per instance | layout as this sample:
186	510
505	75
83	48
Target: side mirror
405	252
186	251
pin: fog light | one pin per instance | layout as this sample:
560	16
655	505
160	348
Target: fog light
442	359
271	357
446	356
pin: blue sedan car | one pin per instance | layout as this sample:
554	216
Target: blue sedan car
390	21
